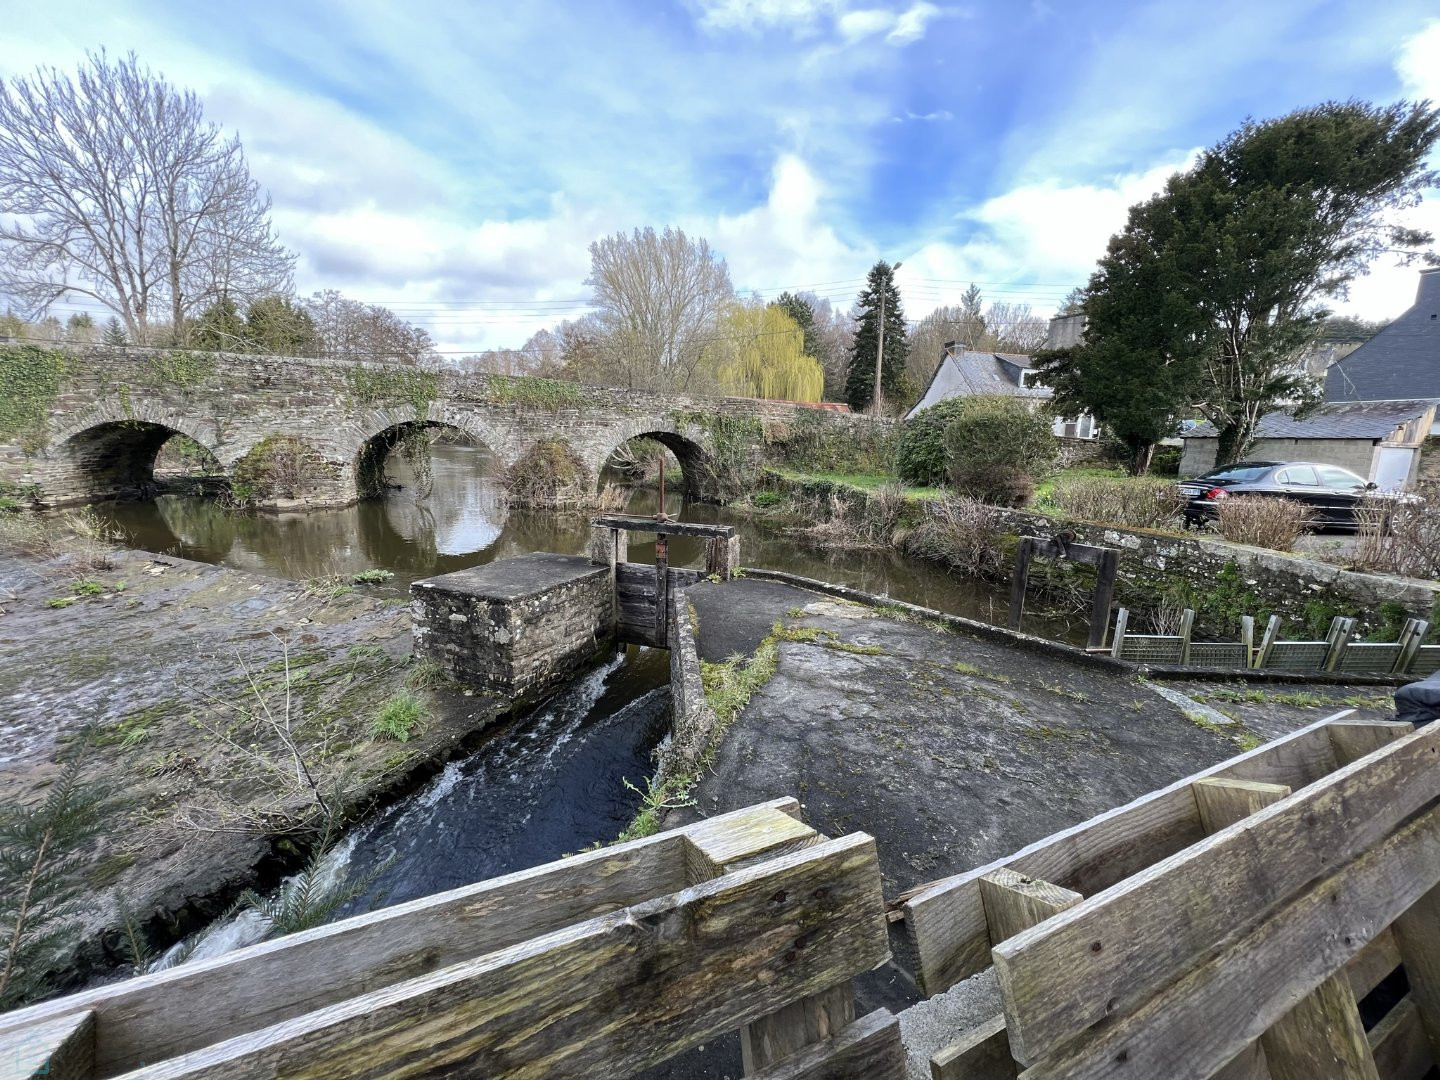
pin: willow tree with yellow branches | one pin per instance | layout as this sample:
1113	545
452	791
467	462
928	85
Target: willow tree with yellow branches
760	352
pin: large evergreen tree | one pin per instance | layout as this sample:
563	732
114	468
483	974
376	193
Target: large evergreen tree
860	381
1215	287
801	310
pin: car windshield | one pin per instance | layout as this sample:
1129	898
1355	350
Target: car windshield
1239	473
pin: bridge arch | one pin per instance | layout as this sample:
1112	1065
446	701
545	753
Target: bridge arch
398	432
697	462
111	454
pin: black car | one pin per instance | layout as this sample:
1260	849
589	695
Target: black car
1332	493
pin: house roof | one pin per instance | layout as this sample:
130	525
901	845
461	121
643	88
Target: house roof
1337	420
1400	362
973	374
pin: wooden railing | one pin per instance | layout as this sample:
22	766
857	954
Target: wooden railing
1223	926
600	965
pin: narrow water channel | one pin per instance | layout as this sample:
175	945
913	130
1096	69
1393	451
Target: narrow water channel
556	779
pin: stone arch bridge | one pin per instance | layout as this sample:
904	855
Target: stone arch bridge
89	426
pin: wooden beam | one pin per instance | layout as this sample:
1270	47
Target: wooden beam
946	922
1399	1045
670	528
1106	568
1321	1037
1417	933
266	983
1374	963
1014	902
982	1054
610	996
1221	801
1018	580
795	1026
1353	739
58	1049
1200	1021
870	1047
1103	959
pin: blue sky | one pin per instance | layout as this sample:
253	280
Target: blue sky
455	160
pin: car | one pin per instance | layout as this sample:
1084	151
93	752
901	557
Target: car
1332	493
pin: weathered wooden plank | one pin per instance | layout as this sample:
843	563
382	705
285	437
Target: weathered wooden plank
1321	1038
869	1048
1417	933
730	842
1222	801
983	1054
946	922
59	1049
1192	1026
795	1026
1249	1064
1014	902
259	986
1376	961
610	996
1353	739
1399	1044
1111	953
670	528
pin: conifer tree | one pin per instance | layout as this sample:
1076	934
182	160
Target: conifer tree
880	291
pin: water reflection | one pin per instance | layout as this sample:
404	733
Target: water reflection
464	523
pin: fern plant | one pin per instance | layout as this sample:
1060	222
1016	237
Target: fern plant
41	890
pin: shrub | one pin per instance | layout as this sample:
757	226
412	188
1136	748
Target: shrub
1139	502
999	431
920	458
372	577
1165	461
550	475
279	467
868	521
1400	537
963	533
1263	521
993	482
398	717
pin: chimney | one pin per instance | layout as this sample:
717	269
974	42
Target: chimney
1066	331
1427	296
953	348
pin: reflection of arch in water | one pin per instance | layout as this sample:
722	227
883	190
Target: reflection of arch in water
696	463
461	516
115	458
374	454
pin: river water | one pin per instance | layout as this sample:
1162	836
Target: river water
562	776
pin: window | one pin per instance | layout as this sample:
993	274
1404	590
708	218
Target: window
1339	479
1298	476
1241	473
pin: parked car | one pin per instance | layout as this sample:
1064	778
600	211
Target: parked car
1332	493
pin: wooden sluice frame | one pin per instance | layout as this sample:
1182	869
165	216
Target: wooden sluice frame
603	964
1224	926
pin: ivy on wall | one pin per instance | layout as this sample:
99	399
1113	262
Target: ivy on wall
180	369
534	393
371	386
30	379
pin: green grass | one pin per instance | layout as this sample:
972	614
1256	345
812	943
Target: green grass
398	718
372	577
87	587
862	481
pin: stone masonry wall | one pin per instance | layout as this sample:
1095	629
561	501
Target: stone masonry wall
517	628
97	435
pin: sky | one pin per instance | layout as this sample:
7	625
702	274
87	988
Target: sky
454	159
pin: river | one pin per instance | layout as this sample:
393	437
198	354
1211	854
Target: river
562	776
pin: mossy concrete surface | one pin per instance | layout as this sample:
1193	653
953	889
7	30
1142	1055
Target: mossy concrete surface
950	749
173	667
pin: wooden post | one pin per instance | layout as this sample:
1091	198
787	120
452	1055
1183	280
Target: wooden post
662	588
1019	579
1419	942
1322	1036
1104	594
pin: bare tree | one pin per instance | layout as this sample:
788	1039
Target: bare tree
659	296
114	188
1013	328
351	330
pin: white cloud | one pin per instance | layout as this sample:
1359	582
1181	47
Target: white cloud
808	17
1389	289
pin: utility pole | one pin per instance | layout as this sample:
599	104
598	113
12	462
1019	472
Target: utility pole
880	347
